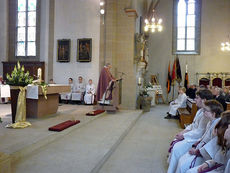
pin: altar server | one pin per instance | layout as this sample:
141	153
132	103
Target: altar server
180	102
183	140
67	96
89	93
79	90
194	157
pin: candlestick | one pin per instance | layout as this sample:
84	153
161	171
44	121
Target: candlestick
39	73
142	53
139	81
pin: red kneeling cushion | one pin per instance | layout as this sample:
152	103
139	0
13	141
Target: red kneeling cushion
64	125
93	113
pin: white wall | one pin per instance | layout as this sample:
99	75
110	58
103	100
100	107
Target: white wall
3	33
76	19
215	25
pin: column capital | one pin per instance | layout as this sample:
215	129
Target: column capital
131	12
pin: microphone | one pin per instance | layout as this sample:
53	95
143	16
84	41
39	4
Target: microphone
122	73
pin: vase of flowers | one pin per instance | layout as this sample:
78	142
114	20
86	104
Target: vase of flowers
17	78
145	99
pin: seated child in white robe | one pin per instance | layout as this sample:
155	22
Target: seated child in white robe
217	149
89	93
79	90
185	139
194	157
180	102
67	96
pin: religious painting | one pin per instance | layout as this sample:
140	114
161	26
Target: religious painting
84	50
63	54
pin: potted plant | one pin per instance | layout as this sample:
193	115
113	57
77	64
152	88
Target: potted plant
17	78
146	99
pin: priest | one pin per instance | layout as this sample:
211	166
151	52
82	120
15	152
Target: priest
105	85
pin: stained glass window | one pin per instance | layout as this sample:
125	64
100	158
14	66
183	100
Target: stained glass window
26	28
21	5
32	19
21	48
32	5
187	26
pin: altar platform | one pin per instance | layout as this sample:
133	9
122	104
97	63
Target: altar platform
19	144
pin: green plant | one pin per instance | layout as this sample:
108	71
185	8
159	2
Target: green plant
144	91
0	120
19	77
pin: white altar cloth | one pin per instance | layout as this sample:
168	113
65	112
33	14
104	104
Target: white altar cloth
4	91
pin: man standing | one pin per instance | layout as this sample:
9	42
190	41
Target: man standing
105	85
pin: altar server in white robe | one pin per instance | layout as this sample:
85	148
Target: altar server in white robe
185	139
194	157
180	102
217	149
67	96
79	90
89	93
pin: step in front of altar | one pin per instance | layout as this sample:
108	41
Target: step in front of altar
19	143
84	149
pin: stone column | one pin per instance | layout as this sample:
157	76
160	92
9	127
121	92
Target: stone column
119	47
3	33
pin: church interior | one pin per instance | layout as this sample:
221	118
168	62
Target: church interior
103	86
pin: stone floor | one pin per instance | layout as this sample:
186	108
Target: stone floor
124	142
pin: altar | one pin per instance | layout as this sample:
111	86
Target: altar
37	106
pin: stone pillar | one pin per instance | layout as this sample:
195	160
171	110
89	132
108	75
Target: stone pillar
126	27
119	47
3	33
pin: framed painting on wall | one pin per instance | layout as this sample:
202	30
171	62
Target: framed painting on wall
84	50
63	50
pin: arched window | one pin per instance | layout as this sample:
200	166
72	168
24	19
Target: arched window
26	28
186	27
24	31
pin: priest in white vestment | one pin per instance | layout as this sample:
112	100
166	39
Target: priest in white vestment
186	138
180	102
79	90
89	93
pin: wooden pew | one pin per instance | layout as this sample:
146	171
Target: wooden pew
187	114
228	105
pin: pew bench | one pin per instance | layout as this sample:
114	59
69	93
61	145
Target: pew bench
228	105
187	114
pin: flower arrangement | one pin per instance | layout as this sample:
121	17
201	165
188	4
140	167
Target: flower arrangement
19	77
144	90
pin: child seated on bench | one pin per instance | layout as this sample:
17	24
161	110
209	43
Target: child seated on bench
180	102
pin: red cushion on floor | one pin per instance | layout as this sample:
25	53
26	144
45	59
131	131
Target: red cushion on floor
64	125
93	113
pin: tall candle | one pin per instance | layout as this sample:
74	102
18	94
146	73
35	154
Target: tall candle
186	68
142	53
139	80
39	73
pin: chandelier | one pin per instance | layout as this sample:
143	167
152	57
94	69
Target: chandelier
154	25
225	46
